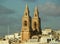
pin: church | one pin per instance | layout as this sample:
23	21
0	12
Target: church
30	26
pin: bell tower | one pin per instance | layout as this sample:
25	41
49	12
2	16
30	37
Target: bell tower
26	25
36	23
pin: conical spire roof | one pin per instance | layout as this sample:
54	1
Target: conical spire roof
26	7
26	12
36	12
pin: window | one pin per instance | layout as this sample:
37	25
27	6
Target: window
35	25
48	40
25	23
35	15
26	14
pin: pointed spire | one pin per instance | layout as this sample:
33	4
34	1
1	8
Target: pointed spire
26	12
26	7
36	13
36	9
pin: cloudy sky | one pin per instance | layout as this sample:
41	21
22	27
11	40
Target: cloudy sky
11	12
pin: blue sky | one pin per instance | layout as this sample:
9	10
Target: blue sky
11	12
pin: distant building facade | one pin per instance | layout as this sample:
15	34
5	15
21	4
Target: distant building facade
30	27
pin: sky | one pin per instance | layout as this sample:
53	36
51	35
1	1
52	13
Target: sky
11	12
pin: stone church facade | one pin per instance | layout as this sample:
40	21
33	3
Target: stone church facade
30	26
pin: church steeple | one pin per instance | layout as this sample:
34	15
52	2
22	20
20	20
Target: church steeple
30	28
36	22
26	12
26	24
36	12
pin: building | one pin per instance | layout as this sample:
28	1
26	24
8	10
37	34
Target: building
4	41
30	27
9	37
31	32
47	31
13	36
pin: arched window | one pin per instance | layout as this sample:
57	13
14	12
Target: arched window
26	14
35	15
25	23
35	25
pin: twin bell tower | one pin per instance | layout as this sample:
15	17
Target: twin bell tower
30	26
